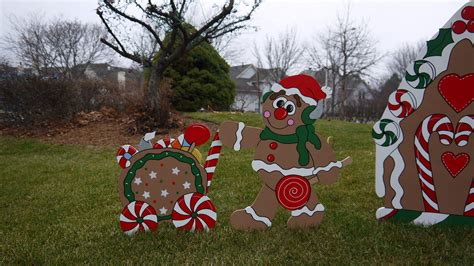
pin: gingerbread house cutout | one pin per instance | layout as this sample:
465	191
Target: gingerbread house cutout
424	152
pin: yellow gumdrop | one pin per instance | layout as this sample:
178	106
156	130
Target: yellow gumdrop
196	153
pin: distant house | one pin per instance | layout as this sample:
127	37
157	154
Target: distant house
251	82
358	91
124	77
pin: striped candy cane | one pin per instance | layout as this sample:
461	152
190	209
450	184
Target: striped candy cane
401	103
212	158
464	130
434	123
469	209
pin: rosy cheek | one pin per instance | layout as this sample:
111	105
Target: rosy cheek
266	114
291	122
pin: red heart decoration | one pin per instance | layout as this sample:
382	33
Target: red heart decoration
457	91
455	163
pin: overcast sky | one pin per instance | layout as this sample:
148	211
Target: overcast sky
392	23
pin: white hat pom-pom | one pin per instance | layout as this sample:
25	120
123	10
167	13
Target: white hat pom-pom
328	91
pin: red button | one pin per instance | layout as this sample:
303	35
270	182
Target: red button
271	158
273	145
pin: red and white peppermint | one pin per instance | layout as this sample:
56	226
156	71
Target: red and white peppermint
463	130
401	103
124	154
138	216
212	159
194	212
441	124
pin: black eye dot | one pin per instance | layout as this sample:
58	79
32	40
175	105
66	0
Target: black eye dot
280	103
290	108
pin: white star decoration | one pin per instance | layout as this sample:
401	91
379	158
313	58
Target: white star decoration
137	181
163	210
146	194
186	185
175	171
164	193
152	175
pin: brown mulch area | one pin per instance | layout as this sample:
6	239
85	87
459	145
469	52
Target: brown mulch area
106	127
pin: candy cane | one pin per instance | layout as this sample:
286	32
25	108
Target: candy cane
469	209
212	158
401	103
434	123
464	130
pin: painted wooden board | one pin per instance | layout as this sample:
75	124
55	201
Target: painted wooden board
424	152
289	157
165	182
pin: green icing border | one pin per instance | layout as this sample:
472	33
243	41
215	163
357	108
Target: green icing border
127	182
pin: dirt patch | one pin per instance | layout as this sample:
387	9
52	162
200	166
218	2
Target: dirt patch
106	127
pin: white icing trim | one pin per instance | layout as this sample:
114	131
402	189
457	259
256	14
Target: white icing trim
430	218
382	212
318	208
261	165
239	136
258	218
328	167
394	179
294	91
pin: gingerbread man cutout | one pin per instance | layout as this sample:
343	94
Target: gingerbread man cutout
289	155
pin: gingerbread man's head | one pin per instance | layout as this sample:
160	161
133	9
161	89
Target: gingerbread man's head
294	101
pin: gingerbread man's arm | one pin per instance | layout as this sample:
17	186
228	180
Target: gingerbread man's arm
237	136
325	163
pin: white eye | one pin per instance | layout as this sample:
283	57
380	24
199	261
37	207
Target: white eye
279	102
290	107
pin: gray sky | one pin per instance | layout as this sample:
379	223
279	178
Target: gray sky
392	23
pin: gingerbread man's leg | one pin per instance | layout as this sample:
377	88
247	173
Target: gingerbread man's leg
259	215
309	215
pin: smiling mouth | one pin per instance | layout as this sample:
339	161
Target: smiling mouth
275	126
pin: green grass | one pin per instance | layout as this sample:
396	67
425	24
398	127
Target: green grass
59	204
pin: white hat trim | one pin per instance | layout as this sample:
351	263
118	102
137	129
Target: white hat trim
294	91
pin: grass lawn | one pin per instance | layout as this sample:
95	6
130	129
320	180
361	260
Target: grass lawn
59	204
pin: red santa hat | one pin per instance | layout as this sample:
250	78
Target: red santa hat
306	87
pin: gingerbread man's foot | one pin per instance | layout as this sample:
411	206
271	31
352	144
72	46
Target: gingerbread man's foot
306	217
248	220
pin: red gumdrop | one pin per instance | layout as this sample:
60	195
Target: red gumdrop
459	27
197	134
470	26
468	13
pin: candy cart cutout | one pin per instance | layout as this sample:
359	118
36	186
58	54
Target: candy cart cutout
424	152
165	182
289	156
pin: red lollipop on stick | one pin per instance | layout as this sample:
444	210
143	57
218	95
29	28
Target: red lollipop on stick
196	134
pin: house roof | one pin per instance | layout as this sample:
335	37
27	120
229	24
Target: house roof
248	84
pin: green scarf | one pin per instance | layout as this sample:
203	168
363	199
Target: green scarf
304	133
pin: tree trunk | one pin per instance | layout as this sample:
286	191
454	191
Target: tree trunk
156	98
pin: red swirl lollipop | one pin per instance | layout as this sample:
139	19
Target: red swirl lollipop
293	192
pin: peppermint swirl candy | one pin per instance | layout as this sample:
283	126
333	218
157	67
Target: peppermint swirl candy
293	192
423	73
194	212
402	103
386	132
124	154
138	216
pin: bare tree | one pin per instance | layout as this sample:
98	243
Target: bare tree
168	19
279	54
225	47
58	45
347	50
402	57
242	101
